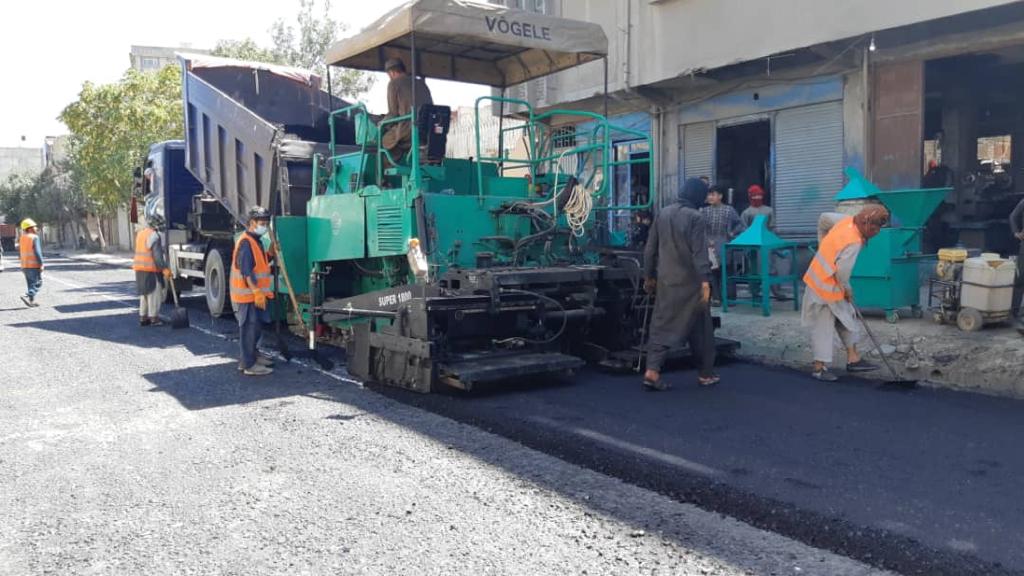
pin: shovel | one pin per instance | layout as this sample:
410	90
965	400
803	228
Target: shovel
645	328
179	318
896	380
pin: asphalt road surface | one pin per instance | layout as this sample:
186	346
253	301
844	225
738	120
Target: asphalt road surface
124	449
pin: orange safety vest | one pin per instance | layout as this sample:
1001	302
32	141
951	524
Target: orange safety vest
27	248
240	292
144	261
821	275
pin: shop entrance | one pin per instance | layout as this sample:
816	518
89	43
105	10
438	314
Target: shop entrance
973	135
743	158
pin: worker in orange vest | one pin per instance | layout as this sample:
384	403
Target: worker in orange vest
151	271
828	307
251	289
31	250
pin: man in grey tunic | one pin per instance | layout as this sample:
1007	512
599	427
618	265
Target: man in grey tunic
677	268
828	307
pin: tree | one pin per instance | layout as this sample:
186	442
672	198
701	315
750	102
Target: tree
52	197
246	49
112	126
303	45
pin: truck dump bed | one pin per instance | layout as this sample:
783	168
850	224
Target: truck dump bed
251	131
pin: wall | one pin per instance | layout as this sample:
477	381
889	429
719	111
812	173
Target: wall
20	160
124	229
854	122
677	37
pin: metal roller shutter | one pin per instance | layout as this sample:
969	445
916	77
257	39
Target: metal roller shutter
698	150
808	165
696	157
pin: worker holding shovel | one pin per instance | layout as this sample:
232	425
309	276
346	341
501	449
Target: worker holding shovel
828	308
250	290
1017	227
150	272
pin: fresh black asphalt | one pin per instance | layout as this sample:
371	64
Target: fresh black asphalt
920	482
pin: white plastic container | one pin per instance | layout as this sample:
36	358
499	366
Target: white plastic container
988	283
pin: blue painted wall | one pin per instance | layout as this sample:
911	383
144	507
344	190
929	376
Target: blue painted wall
769	98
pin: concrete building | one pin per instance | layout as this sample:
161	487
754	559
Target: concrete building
55	149
152	58
19	160
787	93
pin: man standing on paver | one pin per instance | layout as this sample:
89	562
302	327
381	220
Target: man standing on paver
151	272
1017	227
828	306
676	266
250	290
31	250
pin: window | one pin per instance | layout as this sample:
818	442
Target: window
564	137
994	152
150	63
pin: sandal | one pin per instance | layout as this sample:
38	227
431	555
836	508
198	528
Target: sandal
655	385
709	380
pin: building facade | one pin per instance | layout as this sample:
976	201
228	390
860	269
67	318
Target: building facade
153	58
788	94
20	160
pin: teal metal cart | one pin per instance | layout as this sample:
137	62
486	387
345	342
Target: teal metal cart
887	274
759	246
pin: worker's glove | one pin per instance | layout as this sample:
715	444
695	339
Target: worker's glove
705	292
261	300
848	296
167	273
650	285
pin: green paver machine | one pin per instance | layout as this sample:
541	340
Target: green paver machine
887	273
437	271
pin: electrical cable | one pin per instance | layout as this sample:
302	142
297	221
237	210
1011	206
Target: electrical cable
556	336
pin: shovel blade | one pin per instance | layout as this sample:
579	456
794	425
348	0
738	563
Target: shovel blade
179	318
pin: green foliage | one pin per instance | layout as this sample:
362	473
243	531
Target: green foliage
246	49
18	197
112	126
52	197
303	45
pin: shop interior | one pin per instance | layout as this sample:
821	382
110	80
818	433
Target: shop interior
743	157
974	143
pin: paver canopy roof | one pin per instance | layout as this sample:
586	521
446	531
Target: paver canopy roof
473	42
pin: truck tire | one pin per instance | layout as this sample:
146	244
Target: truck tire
216	276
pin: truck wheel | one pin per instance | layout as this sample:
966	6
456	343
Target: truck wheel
216	284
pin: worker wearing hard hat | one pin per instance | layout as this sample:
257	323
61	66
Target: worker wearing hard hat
250	290
151	271
828	307
31	250
404	94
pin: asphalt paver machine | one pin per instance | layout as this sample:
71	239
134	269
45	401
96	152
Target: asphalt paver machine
435	271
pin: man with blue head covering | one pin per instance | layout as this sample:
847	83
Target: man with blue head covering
677	269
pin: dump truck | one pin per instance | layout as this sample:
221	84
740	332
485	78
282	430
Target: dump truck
251	132
431	271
